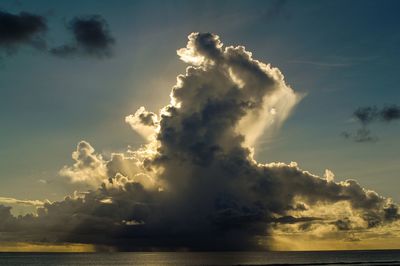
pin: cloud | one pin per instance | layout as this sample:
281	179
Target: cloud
195	184
21	29
89	168
91	37
368	115
275	9
5	200
92	170
144	123
390	113
6	218
361	135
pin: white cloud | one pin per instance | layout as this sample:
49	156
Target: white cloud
5	200
89	167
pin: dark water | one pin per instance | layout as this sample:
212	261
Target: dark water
205	258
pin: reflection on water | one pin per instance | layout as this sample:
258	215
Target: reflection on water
205	258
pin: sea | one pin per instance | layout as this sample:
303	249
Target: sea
381	257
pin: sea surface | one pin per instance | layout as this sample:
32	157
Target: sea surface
386	257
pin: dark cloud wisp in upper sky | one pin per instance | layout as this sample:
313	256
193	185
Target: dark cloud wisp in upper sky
21	29
371	114
275	9
91	37
390	113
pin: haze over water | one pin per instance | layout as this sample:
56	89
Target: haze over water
384	257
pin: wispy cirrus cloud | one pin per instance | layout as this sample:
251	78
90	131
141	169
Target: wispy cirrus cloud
334	61
320	63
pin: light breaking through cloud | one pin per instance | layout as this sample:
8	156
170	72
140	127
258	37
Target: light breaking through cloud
195	183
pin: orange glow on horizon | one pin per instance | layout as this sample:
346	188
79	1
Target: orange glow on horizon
41	247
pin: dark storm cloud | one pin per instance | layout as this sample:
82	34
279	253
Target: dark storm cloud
21	29
196	185
91	36
368	115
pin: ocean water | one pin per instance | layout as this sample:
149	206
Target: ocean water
386	257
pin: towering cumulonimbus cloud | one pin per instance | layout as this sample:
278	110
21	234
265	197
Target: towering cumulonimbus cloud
195	183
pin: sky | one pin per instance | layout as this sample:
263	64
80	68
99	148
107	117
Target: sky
62	87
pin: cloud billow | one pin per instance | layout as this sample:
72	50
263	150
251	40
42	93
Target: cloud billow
195	184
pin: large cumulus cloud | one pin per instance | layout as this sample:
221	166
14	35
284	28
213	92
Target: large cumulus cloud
195	183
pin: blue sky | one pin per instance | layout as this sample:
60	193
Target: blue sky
340	54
